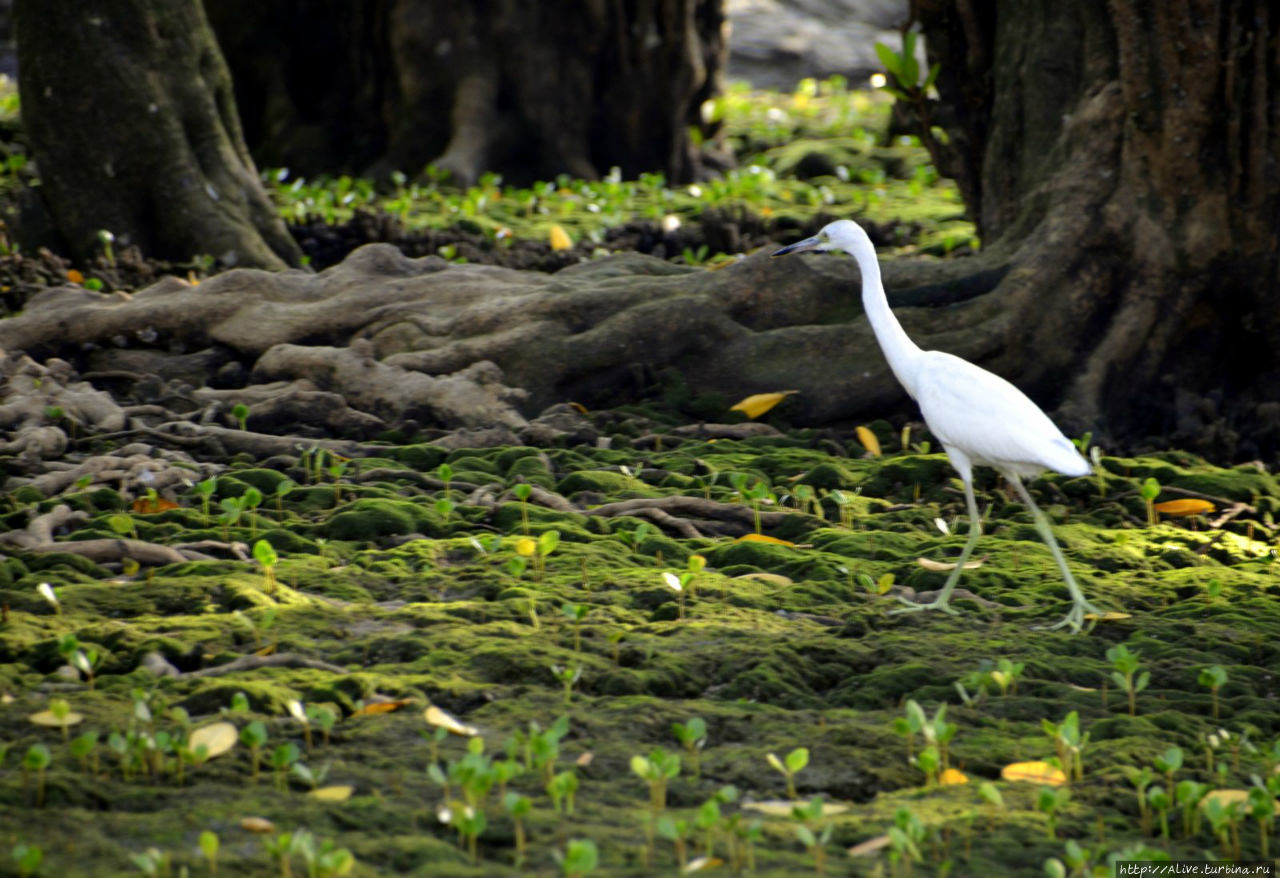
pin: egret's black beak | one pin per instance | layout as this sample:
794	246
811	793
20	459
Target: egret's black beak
815	244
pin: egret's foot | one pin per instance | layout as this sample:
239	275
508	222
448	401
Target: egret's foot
935	604
1074	619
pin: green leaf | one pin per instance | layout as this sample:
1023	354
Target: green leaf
265	554
928	84
910	67
888	58
797	759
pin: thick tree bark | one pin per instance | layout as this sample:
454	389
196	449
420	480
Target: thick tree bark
129	109
1121	157
530	90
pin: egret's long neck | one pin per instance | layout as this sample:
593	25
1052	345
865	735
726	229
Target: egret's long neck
899	350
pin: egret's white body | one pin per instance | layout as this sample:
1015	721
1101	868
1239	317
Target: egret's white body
979	417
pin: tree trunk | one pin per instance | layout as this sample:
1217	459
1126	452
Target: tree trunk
530	90
132	122
1120	157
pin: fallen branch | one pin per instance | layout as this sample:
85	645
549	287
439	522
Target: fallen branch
278	660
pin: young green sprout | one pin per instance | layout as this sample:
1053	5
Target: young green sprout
812	831
240	412
209	847
37	759
576	613
794	763
656	770
27	858
676	584
323	718
254	736
251	500
205	490
1068	743
568	677
1150	490
445	472
283	759
1125	675
580	858
1050	801
123	524
1141	779
1159	799
561	789
518	807
1167	763
693	735
1006	675
1261	805
1213	678
906	836
84	746
265	554
522	492
283	487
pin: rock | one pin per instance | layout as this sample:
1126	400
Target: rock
157	665
776	43
560	424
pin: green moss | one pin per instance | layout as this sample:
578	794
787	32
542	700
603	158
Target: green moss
366	520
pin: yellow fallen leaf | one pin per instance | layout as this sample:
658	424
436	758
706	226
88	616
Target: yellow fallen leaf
257	824
217	739
757	404
929	564
761	538
771	578
560	239
75	276
782	808
266	650
952	776
1034	772
382	706
1227	798
526	547
441	719
578	407
701	864
869	847
1109	616
47	718
868	440
1181	508
584	759
339	793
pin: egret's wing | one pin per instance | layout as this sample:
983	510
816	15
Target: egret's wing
989	419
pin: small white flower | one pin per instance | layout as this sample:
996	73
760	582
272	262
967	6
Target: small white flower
46	592
673	582
942	526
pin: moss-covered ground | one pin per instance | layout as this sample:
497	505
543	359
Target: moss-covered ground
397	599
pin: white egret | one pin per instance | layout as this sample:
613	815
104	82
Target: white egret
979	418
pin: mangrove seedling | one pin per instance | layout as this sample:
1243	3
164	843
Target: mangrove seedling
1006	675
470	823
208	842
676	584
518	807
576	613
795	762
580	858
930	762
336	471
254	736
693	736
1213	589
568	676
323	718
240	412
1188	796
615	642
27	858
232	509
1159	799
444	507
1141	779
283	487
906	835
154	863
1167	763
1068	743
250	500
281	848
283	758
312	777
1050	801
265	554
677	832
445	473
1261	806
83	661
205	490
561	789
1150	490
1223	823
656	770
37	759
84	746
546	544
990	795
1125	674
522	492
1214	678
812	831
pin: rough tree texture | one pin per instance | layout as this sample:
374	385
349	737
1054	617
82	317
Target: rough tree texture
130	114
528	89
1120	159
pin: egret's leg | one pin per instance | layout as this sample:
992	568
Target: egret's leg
943	600
1080	606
